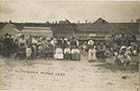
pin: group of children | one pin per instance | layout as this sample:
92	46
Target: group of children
57	53
30	47
67	54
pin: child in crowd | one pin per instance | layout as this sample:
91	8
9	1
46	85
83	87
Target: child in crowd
47	50
28	52
84	48
50	51
40	51
67	53
75	54
34	51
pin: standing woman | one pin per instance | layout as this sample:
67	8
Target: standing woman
7	46
34	47
22	47
92	54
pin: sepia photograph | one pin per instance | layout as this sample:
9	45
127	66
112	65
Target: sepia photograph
69	45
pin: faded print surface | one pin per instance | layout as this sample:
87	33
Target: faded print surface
98	73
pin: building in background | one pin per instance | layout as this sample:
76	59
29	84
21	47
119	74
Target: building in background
37	31
9	28
63	30
98	30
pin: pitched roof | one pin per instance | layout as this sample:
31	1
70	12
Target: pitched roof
99	25
2	25
9	28
100	21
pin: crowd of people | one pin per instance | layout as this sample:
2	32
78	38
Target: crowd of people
120	52
33	47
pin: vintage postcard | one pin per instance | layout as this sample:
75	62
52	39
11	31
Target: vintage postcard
69	45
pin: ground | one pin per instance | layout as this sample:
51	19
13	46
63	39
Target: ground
58	75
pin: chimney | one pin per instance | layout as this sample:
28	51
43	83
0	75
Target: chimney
78	21
131	20
10	21
137	20
86	21
6	21
55	22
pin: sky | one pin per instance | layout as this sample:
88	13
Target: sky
52	10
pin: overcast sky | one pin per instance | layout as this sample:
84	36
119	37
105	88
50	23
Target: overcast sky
52	10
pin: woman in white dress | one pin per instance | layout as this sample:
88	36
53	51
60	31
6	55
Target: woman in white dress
67	53
59	54
92	54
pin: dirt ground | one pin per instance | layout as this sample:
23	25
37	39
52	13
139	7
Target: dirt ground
58	75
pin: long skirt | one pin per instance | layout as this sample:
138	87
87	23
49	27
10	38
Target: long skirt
67	56
92	56
76	56
59	54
